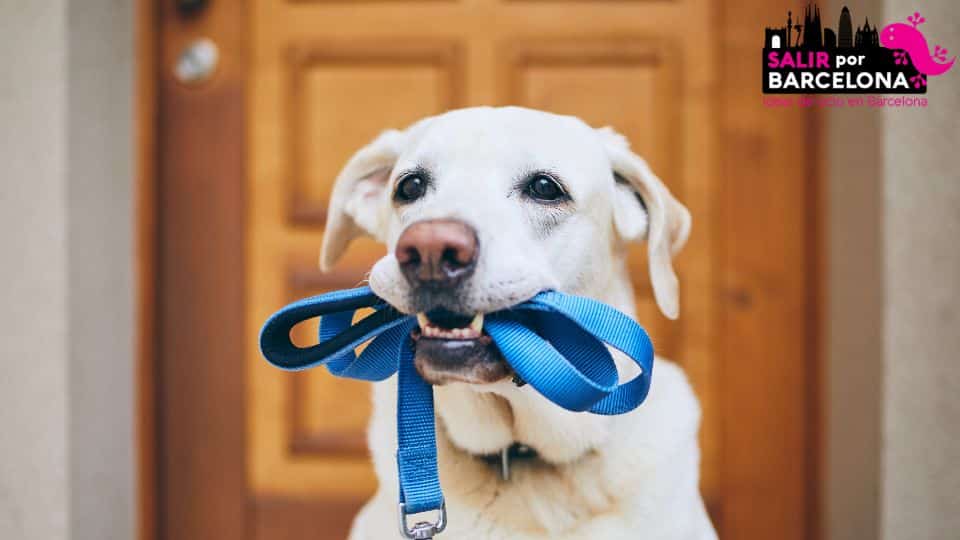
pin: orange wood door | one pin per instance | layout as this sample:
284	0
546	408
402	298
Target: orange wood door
302	84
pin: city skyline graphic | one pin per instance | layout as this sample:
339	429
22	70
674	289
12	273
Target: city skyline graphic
810	34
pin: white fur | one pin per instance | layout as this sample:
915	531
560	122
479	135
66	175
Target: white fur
630	476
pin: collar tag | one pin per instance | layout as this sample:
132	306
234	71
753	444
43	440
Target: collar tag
507	455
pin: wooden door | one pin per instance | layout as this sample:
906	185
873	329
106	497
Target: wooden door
246	162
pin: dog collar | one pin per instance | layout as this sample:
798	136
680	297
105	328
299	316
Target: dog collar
554	342
504	458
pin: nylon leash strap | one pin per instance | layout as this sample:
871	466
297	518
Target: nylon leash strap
554	341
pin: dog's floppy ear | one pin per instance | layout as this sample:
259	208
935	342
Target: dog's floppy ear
359	187
644	208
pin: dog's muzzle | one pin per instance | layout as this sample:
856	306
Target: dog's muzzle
437	258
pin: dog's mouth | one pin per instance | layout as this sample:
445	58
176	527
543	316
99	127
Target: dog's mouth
452	347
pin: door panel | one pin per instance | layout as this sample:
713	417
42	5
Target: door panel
327	89
310	82
394	84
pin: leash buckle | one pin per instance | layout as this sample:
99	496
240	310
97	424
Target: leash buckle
423	530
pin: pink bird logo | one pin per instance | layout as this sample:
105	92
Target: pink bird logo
909	38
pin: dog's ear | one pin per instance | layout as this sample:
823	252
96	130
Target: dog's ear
644	208
357	193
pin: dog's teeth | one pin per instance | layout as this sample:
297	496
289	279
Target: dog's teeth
477	323
423	321
473	331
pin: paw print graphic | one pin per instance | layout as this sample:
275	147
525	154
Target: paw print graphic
940	53
901	58
916	19
918	81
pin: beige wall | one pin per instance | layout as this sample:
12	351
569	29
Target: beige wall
921	228
100	293
66	400
893	326
854	330
33	275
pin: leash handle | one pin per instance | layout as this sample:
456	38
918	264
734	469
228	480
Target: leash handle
337	338
390	351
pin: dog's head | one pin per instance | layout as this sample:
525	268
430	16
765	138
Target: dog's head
483	208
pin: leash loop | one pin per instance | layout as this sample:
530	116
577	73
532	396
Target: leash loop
555	342
423	530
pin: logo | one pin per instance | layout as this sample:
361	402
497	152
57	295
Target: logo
807	58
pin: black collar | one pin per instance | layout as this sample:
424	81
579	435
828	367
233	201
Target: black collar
514	452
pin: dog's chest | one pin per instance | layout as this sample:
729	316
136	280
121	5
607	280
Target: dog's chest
538	500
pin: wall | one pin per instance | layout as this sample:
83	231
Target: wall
893	315
66	403
921	288
100	295
853	335
34	327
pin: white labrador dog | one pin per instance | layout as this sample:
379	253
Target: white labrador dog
481	209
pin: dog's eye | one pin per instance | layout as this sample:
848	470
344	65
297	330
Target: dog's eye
410	188
543	187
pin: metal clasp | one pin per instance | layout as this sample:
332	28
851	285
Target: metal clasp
423	530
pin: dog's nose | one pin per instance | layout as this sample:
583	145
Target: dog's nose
437	252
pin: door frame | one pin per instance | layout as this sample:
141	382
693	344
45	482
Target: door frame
190	155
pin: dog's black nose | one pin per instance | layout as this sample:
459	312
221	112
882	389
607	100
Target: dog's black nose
437	252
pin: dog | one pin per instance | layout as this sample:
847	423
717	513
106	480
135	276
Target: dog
482	208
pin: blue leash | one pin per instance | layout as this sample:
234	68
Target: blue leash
554	342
